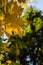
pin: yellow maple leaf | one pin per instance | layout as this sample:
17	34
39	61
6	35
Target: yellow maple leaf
12	21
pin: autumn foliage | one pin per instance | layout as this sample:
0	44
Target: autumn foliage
24	33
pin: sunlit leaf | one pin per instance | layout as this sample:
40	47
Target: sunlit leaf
11	18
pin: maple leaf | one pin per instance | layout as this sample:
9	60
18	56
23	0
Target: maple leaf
12	21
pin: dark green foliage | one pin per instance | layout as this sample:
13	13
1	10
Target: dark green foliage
34	40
